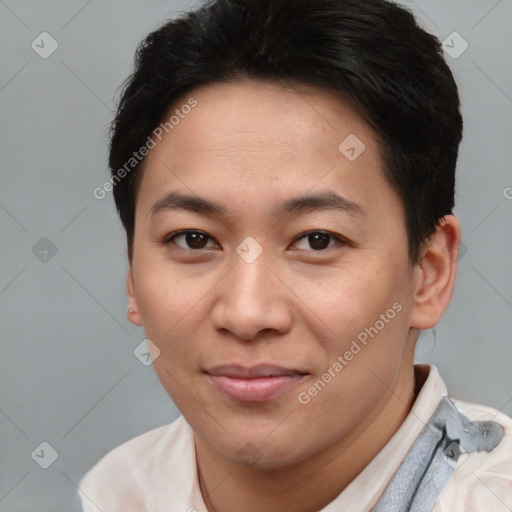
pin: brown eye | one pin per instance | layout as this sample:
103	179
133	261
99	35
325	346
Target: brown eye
191	238
319	240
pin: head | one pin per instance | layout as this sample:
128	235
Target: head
319	141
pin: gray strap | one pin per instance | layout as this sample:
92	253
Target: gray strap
430	462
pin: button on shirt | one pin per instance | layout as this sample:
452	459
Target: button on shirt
447	456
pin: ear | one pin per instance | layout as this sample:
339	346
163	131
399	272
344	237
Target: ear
132	313
435	274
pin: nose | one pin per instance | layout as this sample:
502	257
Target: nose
252	298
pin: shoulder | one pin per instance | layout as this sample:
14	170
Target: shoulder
126	471
481	480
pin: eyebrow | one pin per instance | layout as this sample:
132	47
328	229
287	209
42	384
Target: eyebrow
328	200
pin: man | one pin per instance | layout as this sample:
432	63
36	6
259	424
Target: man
285	171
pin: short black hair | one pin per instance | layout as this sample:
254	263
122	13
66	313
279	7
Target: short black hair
373	52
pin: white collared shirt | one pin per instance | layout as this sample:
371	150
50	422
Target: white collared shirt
156	471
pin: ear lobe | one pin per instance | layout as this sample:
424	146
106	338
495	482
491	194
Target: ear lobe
436	274
132	313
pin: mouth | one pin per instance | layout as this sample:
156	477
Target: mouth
254	384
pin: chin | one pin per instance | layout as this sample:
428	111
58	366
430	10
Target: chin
261	450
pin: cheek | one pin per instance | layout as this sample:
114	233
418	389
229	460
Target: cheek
165	296
352	302
357	377
169	311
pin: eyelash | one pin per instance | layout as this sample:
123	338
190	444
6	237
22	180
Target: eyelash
341	241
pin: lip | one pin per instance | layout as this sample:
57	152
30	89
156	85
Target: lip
254	384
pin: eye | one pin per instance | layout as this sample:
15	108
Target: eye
192	238
197	240
319	240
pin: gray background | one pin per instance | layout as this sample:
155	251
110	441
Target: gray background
68	375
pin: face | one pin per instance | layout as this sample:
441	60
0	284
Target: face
281	311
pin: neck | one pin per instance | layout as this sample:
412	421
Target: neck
314	482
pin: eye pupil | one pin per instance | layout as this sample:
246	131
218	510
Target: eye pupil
318	241
195	239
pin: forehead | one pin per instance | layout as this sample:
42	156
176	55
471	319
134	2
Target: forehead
248	142
240	116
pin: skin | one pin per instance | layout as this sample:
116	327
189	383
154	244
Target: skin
251	146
